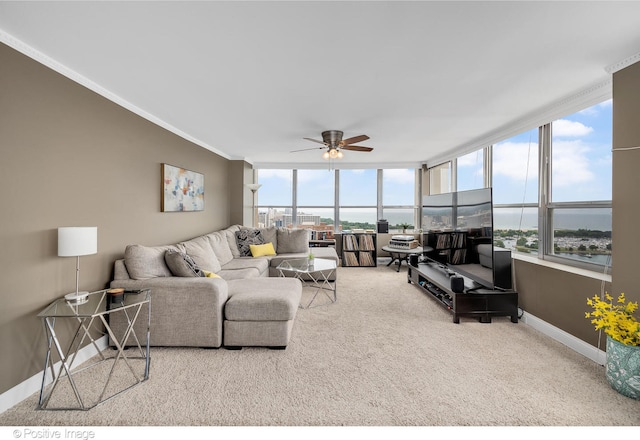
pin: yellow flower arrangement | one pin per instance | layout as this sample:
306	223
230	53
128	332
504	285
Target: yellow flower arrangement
616	320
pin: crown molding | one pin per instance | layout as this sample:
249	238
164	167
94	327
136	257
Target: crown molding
336	165
60	68
613	68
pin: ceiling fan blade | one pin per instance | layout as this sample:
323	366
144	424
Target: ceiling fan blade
307	149
354	140
356	148
314	140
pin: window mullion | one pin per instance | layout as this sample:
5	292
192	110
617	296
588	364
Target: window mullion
294	198
545	223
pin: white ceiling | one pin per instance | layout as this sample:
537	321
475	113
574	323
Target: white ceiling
250	80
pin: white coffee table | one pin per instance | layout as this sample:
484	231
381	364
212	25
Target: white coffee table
313	273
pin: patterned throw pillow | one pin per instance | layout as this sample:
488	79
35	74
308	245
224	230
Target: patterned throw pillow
182	265
245	238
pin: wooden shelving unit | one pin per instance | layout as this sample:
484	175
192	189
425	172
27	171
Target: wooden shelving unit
359	250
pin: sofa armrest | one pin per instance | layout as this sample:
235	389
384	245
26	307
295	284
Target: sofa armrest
185	311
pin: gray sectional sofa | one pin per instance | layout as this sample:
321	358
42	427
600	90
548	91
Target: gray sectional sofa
207	292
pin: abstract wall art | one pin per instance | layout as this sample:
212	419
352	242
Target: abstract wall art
182	190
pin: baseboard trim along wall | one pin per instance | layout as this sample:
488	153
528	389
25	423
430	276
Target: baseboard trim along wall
32	385
576	344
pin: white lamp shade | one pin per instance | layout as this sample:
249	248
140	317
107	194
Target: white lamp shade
76	241
254	186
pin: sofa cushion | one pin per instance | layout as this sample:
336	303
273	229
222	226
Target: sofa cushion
245	238
181	264
144	262
241	274
259	264
270	235
292	241
220	246
202	253
261	250
272	299
230	233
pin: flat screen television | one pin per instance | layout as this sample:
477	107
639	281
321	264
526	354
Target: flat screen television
458	227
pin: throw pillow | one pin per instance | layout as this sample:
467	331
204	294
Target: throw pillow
293	241
210	274
182	265
220	246
145	262
245	238
202	253
270	234
261	250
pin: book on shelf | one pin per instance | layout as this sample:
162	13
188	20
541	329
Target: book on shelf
366	242
459	256
443	241
366	259
459	240
349	259
349	243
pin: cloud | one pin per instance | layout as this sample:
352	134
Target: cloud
511	159
571	164
566	128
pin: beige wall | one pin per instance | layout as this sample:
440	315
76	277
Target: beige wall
69	157
557	297
626	181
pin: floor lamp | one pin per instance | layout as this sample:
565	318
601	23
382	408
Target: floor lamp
254	187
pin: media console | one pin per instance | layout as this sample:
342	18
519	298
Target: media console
475	302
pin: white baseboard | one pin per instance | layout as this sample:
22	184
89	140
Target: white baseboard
32	385
576	344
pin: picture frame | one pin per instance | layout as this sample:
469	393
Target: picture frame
182	189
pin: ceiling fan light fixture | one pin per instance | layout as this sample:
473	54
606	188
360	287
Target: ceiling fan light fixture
340	155
325	155
333	153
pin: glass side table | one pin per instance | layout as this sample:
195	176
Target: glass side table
85	319
313	273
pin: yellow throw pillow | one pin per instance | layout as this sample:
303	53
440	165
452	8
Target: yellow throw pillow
210	274
260	250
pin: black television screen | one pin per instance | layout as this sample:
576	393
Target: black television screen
458	227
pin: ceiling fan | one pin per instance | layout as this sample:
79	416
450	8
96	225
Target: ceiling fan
334	144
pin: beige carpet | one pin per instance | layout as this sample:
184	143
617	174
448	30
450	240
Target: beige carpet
384	355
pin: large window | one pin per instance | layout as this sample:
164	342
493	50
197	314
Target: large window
581	155
579	210
358	199
307	198
470	171
398	198
315	199
570	159
275	198
515	192
515	170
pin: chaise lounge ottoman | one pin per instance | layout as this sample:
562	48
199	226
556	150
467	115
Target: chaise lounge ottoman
260	312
